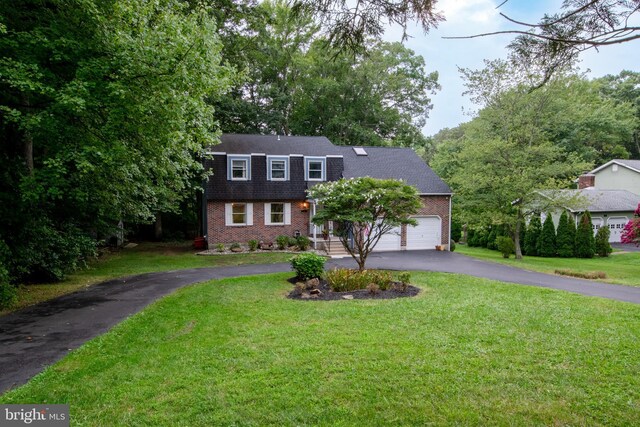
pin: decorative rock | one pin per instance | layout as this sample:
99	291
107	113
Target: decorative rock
316	292
347	296
305	295
236	249
312	283
130	245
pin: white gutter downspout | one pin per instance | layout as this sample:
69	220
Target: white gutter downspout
315	227
449	244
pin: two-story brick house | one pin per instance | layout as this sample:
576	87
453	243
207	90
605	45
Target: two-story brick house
259	182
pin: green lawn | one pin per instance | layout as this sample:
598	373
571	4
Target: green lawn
144	258
623	268
466	351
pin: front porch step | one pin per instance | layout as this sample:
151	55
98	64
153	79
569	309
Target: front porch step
334	247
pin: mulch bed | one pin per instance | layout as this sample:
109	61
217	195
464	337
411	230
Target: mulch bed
326	294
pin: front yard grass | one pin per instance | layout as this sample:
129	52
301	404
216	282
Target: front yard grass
144	258
465	351
623	269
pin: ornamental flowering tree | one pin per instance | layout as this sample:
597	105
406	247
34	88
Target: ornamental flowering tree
631	231
366	209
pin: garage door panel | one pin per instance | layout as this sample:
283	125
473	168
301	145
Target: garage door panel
616	225
389	241
426	235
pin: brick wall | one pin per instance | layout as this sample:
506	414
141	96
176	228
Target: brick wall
436	206
218	232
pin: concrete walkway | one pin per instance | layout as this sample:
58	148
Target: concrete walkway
38	336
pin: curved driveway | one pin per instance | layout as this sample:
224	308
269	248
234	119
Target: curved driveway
38	336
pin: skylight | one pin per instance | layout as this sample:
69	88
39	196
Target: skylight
359	151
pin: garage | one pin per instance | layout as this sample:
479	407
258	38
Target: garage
426	235
616	225
389	241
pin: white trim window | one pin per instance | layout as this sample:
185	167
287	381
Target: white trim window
315	168
277	168
238	168
277	213
238	214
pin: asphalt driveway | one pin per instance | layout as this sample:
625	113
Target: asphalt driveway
38	336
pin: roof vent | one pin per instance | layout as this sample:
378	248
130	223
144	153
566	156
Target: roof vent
359	151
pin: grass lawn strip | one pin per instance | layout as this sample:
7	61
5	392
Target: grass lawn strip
144	258
464	351
621	269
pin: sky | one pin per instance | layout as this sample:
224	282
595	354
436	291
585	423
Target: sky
467	17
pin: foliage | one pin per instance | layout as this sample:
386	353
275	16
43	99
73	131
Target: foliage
294	84
491	239
547	242
282	241
534	230
591	275
373	288
8	292
349	27
456	230
602	246
347	280
303	242
220	247
308	265
367	208
631	231
234	245
452	246
103	118
585	242
404	277
505	245
253	245
565	239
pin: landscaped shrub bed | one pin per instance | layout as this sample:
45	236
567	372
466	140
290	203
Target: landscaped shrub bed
592	275
342	283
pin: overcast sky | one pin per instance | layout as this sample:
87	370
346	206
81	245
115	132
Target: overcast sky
466	17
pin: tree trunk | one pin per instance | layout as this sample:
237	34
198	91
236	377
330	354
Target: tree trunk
27	141
517	235
157	229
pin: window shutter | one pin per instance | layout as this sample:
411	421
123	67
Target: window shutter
267	214
249	213
228	219
287	213
228	169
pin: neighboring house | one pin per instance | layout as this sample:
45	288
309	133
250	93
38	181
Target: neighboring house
614	175
259	182
611	193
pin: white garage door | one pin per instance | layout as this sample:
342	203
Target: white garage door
426	235
616	225
389	241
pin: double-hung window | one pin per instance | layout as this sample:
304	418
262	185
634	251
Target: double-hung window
238	168
277	213
315	168
277	168
238	214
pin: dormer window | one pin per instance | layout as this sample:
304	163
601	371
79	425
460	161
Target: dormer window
315	168
277	168
238	168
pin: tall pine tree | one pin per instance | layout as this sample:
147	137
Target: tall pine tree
566	236
532	235
547	241
585	242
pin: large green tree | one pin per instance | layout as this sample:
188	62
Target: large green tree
103	118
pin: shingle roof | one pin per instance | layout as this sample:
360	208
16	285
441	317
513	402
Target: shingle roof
606	200
398	163
275	145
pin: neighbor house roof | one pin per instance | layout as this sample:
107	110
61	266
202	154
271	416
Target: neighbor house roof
392	162
603	200
634	165
274	145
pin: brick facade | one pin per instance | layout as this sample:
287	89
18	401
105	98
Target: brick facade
218	232
433	206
